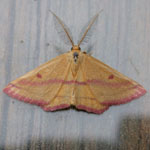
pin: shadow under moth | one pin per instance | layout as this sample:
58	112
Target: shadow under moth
74	79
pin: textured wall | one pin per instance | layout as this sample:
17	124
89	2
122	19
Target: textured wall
122	40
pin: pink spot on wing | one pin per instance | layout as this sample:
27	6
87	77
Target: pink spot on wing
39	75
111	76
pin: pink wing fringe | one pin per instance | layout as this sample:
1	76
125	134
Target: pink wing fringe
88	109
40	103
140	91
62	106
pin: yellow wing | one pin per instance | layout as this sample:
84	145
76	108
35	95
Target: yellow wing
109	86
84	98
43	85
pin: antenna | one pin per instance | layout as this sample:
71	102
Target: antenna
66	30
89	27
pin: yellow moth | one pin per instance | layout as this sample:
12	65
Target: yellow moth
74	79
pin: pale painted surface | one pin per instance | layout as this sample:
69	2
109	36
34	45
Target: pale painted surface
28	38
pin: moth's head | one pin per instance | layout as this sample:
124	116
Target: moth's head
75	48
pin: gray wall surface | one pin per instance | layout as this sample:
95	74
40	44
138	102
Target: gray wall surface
28	39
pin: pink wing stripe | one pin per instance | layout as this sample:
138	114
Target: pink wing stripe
55	81
140	91
51	82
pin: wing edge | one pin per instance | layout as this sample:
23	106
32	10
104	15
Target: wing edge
91	110
140	92
40	103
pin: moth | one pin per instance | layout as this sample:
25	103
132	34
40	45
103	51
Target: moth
74	79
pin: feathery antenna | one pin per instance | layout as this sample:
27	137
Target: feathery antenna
89	27
63	26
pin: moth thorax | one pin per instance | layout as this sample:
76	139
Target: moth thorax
75	64
75	56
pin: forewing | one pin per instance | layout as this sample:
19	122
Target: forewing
42	85
109	86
